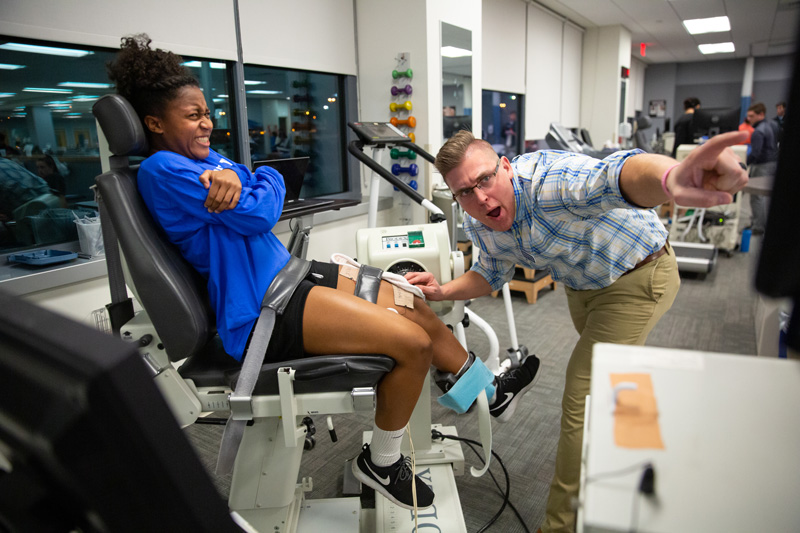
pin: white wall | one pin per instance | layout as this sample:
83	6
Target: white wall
605	51
204	28
306	34
504	28
636	89
553	78
572	53
544	61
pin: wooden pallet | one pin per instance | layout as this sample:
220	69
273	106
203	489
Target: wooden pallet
530	282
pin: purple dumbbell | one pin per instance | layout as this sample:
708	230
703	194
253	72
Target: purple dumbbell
411	169
397	90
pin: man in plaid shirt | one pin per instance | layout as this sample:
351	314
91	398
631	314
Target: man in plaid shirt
589	223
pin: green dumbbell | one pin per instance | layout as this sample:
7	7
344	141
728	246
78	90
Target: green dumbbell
395	153
403	74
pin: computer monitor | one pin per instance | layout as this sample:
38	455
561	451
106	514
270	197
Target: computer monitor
87	443
778	273
456	123
293	170
710	122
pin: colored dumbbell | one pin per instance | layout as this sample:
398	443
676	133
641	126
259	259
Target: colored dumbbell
300	126
412	137
407	105
397	154
302	112
297	84
411	122
413	184
403	74
397	90
411	169
301	98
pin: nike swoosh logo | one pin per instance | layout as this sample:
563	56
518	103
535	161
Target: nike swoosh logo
509	397
383	480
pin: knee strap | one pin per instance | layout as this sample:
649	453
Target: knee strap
460	397
285	282
368	283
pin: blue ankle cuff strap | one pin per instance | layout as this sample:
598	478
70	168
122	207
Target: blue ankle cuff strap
476	379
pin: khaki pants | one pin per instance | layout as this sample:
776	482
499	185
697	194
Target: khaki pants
623	313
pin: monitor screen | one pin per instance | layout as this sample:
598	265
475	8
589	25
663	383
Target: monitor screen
87	443
376	132
455	123
292	169
710	122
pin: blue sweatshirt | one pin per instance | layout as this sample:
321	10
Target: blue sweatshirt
235	250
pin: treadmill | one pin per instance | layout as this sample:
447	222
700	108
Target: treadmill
696	257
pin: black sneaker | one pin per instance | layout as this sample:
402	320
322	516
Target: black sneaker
393	481
511	386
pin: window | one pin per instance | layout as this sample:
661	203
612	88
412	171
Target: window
46	126
502	116
293	113
214	81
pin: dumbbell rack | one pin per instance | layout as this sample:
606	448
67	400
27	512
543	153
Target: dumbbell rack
400	106
303	117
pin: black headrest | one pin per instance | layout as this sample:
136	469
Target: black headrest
121	125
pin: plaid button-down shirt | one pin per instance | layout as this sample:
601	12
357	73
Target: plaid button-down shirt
18	186
571	219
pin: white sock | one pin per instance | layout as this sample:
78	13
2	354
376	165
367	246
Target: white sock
385	446
463	368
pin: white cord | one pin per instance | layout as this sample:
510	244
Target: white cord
413	478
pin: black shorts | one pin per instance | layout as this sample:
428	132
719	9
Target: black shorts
287	336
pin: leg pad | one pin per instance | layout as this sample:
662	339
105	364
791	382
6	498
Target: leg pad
461	395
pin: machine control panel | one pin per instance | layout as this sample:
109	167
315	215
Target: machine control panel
412	239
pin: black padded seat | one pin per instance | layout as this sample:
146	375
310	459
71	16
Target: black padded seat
325	373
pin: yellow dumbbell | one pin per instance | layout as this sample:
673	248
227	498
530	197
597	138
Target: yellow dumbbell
400	107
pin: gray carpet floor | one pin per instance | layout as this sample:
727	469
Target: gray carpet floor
715	313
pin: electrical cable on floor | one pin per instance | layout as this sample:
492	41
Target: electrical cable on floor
435	434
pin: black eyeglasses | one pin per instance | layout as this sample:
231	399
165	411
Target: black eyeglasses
484	183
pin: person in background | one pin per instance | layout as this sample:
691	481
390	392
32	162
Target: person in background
589	223
684	134
778	121
47	170
18	186
762	161
746	127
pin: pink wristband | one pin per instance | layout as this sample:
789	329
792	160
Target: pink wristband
664	180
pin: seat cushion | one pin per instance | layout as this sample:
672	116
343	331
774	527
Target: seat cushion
212	367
